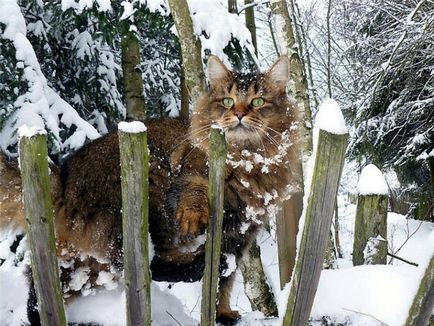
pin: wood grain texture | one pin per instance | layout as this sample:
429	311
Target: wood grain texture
370	226
132	77
134	170
39	216
327	171
423	302
217	162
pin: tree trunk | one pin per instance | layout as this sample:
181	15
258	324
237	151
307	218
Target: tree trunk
337	227
190	48
134	170
250	23
255	282
287	220
39	215
217	163
316	233
232	6
298	88
370	230
132	77
185	106
329	50
423	302
302	39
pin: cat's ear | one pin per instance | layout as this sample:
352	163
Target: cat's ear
217	71
278	74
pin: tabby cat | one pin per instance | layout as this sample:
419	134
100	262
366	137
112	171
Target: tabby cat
260	125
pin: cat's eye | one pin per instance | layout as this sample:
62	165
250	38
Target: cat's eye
228	102
259	101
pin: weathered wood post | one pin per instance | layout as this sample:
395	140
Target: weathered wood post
370	230
134	170
217	161
423	302
40	225
329	160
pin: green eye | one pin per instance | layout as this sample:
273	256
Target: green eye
259	101
228	102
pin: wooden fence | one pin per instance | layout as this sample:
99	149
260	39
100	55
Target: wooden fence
134	166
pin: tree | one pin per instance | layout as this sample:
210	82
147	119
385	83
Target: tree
191	49
394	111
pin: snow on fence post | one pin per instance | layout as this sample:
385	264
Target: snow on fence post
423	302
217	162
318	214
134	170
40	225
370	230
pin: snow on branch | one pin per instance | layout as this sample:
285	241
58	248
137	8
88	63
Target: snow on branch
215	27
40	106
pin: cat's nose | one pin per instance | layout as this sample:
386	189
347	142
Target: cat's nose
239	114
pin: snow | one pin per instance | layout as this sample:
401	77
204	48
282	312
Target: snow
81	5
372	182
30	131
133	127
40	107
330	118
356	295
129	11
215	27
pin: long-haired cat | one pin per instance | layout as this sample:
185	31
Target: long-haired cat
261	128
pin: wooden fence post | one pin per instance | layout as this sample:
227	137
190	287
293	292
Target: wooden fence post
134	170
217	162
329	160
423	302
39	215
370	230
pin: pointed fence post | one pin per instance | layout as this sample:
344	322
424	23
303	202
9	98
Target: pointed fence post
134	169
423	302
370	231
39	216
329	160
217	162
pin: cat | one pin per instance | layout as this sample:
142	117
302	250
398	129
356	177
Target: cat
261	129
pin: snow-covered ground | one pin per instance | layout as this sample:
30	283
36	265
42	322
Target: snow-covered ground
363	295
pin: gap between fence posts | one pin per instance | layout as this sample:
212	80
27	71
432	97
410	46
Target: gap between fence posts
330	153
217	162
134	157
40	227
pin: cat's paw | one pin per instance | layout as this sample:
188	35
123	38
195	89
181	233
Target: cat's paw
227	317
192	215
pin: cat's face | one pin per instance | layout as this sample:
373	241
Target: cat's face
250	107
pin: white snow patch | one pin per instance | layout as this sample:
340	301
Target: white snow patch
106	279
372	181
330	118
133	127
30	131
232	265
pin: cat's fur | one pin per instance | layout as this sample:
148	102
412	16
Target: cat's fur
259	173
